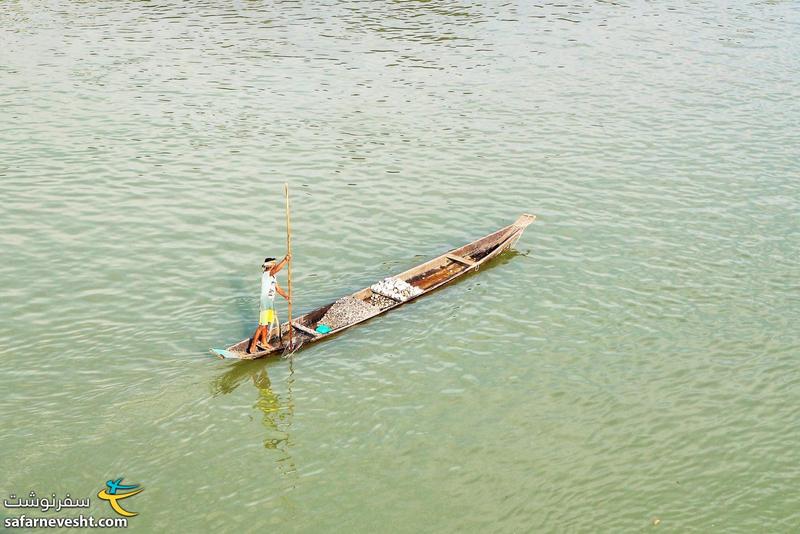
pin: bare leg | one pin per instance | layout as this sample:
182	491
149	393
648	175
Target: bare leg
267	332
255	339
261	336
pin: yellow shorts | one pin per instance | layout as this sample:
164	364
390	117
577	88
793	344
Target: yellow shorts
266	317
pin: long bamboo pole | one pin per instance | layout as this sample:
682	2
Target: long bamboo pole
289	251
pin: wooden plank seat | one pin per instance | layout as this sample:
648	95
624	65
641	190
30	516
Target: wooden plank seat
461	259
305	329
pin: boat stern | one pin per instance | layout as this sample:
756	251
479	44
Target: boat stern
524	220
520	224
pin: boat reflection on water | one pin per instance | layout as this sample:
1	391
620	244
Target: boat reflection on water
277	414
277	410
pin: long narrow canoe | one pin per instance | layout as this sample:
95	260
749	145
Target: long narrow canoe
427	277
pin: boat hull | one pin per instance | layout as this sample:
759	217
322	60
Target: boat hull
427	276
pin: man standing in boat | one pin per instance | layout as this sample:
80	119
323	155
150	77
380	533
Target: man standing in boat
266	315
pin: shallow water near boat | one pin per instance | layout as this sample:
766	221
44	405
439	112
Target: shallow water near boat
633	361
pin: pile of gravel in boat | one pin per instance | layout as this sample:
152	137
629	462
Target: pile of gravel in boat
380	301
347	310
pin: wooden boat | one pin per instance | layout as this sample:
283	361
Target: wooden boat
427	277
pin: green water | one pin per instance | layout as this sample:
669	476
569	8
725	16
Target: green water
634	362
